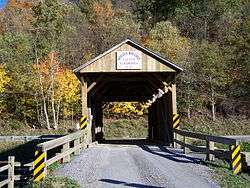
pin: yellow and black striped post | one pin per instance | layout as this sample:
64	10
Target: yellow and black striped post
235	159
176	121
83	122
39	166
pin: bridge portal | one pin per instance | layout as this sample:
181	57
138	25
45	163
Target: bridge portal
130	72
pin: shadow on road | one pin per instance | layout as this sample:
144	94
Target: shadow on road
157	149
116	182
171	154
132	141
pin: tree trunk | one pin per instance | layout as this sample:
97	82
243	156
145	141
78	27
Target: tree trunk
53	91
42	92
72	117
213	111
43	99
189	103
58	112
212	100
37	110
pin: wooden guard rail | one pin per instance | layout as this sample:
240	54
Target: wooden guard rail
11	176
232	154
42	161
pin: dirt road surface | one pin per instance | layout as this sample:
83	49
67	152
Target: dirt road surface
152	166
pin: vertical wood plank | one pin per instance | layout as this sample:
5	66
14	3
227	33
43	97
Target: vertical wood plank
11	171
174	108
45	161
84	93
209	146
64	149
77	143
84	97
174	103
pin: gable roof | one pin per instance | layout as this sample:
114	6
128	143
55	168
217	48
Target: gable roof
139	47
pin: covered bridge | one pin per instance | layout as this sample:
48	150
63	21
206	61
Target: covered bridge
130	72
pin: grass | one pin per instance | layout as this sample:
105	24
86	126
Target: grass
16	127
55	182
225	177
5	146
52	181
235	125
245	146
124	128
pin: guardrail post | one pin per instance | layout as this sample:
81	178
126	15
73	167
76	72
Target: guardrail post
76	144
176	125
11	171
235	157
65	148
39	165
209	146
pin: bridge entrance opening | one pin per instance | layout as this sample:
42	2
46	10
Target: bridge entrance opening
129	72
125	120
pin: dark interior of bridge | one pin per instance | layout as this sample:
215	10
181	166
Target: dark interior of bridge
140	87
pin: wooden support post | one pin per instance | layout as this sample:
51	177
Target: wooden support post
174	103
65	148
11	171
77	143
174	108
84	93
209	146
85	112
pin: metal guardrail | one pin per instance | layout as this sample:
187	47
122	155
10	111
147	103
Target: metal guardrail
233	154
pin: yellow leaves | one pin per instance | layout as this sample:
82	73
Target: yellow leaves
68	86
127	108
61	83
4	79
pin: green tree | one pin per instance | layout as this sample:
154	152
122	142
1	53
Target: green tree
166	39
211	72
153	11
16	54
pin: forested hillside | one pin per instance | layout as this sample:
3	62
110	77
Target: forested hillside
41	41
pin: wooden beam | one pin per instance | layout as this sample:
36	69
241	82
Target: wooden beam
174	103
93	84
84	93
98	87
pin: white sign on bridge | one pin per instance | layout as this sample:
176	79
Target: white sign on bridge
129	60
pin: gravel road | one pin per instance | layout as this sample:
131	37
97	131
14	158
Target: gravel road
152	166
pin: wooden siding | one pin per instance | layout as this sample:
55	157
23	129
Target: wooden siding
107	63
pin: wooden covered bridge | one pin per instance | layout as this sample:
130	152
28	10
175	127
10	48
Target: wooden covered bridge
130	72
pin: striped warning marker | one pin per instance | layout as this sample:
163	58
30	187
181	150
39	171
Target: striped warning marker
83	122
39	166
176	121
236	159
